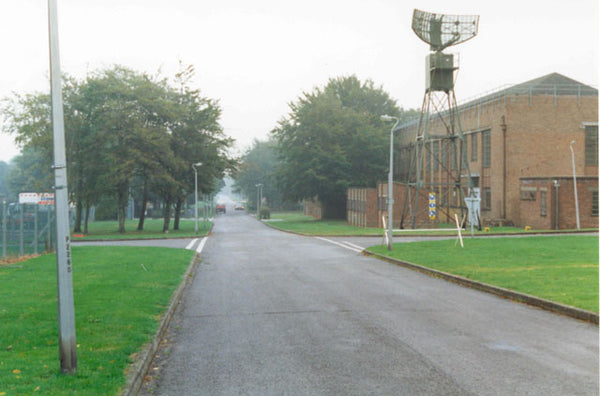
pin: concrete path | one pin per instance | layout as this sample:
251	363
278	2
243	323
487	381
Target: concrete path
271	313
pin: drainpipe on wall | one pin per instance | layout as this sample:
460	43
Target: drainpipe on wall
556	185
503	127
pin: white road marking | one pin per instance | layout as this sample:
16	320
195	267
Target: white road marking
201	245
189	246
353	248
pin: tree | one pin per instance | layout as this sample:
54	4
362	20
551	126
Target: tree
333	139
259	164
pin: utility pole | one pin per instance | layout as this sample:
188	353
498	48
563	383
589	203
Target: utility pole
66	313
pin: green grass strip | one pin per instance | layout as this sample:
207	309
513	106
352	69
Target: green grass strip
119	293
307	225
562	269
109	230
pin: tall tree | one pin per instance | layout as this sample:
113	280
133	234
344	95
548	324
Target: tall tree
259	164
333	139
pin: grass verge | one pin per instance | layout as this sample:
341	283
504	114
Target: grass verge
106	230
562	269
307	225
119	293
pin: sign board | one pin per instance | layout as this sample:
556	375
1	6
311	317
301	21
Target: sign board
432	206
473	204
36	198
28	198
46	199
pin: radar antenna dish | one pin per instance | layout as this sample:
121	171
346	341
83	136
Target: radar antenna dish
442	31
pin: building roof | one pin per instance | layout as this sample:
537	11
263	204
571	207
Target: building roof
554	84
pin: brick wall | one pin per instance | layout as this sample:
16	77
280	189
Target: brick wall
538	203
361	207
530	137
312	207
401	210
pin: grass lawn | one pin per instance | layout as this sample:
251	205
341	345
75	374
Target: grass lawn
307	225
563	269
119	294
152	229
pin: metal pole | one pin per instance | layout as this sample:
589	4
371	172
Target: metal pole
35	229
391	182
195	199
258	198
575	184
21	206
66	313
4	228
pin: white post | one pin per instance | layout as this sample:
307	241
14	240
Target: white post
575	184
66	314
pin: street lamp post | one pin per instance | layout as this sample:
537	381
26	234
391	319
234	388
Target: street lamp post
575	184
196	195
67	343
391	180
258	198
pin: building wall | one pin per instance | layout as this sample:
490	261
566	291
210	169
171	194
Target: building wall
540	209
402	214
530	137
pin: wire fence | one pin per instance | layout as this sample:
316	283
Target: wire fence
26	229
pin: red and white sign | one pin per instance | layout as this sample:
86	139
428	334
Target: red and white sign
46	199
36	198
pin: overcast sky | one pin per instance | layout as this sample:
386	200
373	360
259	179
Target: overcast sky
258	56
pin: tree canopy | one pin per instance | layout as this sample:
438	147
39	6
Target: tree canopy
128	133
333	139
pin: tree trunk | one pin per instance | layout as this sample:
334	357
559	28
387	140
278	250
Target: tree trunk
87	218
178	205
78	211
122	208
143	208
167	215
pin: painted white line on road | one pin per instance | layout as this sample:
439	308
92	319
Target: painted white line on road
354	246
341	245
201	245
189	246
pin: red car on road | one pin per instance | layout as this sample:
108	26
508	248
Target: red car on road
221	208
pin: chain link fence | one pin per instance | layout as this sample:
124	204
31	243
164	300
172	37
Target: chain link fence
26	229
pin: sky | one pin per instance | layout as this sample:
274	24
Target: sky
258	56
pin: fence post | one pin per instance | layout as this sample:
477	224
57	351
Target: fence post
21	206
35	230
4	228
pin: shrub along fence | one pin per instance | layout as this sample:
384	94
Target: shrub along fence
26	229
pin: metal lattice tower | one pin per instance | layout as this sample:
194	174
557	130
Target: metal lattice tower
438	164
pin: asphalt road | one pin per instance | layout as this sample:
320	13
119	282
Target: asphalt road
270	313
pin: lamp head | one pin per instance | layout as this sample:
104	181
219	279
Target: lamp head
386	117
572	142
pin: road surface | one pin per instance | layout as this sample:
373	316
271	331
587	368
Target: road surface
270	313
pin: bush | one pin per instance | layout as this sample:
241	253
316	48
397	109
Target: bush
265	212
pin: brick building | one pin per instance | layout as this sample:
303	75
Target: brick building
518	139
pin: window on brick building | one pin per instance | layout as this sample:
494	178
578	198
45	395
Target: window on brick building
591	145
436	155
474	147
594	203
543	206
528	193
486	142
486	198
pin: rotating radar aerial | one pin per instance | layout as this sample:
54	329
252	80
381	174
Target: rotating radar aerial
437	167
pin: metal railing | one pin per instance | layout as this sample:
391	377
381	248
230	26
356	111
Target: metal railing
26	229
